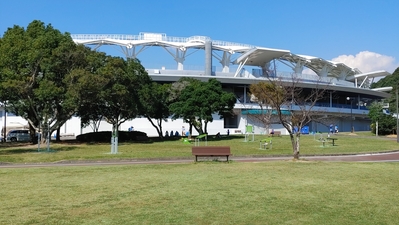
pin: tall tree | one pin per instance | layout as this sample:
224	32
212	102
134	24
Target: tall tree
198	101
33	64
109	89
155	100
294	107
386	121
86	86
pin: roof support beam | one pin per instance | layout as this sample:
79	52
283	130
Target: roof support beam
226	62
324	71
179	56
364	80
240	66
296	66
343	74
299	67
130	51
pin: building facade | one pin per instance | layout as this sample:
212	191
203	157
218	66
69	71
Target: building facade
237	66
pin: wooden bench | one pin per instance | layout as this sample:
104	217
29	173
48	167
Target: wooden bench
211	151
275	134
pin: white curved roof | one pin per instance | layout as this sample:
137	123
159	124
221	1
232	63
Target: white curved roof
249	54
260	56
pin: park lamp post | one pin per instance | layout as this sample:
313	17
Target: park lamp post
350	99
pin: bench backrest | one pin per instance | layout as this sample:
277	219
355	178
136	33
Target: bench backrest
211	150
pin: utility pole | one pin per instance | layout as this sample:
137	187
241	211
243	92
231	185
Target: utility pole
397	121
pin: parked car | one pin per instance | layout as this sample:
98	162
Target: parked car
18	135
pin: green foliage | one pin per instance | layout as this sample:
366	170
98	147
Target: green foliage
196	101
33	65
386	123
108	88
46	78
389	81
154	104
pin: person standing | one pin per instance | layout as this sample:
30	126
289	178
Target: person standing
183	131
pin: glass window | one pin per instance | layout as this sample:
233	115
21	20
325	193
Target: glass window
231	121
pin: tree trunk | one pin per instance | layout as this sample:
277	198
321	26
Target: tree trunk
198	126
190	129
33	134
158	128
58	136
295	144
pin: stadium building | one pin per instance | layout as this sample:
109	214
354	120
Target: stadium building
237	66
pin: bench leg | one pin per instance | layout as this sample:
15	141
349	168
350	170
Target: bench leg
196	158
227	158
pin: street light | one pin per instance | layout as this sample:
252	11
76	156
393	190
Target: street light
352	128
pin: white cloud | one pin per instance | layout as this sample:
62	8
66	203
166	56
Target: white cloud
367	61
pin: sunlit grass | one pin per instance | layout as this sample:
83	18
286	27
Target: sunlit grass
203	193
173	149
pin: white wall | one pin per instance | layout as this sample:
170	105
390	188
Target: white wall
72	126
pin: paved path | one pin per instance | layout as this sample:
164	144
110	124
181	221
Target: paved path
377	157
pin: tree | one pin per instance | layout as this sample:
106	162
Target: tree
266	115
389	81
386	121
197	101
33	64
293	105
109	89
86	86
155	100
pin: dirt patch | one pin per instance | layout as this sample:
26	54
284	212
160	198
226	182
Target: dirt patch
391	136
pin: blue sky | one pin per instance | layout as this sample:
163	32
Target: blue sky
362	34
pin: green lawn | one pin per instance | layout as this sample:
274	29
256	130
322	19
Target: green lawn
346	144
203	193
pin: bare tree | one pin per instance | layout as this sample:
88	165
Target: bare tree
293	104
265	115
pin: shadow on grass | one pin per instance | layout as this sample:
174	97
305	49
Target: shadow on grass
210	138
214	138
33	149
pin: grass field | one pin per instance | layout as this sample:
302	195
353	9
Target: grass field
346	144
284	192
203	193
